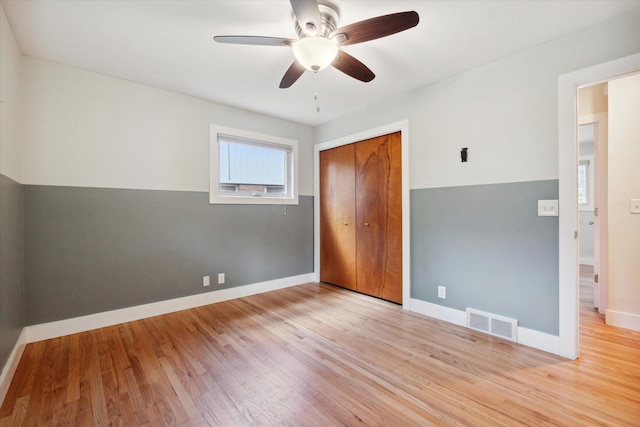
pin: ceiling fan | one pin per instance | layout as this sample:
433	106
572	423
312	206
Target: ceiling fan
319	42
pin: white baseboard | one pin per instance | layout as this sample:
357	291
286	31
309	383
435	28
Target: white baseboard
439	312
529	337
12	364
623	320
540	340
586	260
60	328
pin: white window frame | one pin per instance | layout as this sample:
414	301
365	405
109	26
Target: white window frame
587	161
218	197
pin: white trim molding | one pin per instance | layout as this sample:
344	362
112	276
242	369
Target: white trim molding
623	320
440	312
12	364
402	127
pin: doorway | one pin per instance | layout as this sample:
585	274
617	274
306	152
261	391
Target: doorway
587	183
592	187
568	85
593	210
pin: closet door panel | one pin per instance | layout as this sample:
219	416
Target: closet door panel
337	217
392	287
379	217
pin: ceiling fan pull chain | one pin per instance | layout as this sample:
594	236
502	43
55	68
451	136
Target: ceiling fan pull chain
315	95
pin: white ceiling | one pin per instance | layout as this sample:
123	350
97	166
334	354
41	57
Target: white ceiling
168	44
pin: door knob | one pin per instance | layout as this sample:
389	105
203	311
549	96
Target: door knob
366	224
345	223
591	222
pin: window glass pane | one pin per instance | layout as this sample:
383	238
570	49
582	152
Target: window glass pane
583	186
252	164
253	168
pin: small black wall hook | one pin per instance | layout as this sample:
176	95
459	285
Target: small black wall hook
463	154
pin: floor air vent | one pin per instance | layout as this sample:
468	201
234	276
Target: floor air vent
493	324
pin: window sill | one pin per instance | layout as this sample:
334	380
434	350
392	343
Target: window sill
242	200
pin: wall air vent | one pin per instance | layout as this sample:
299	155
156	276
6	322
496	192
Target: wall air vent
500	326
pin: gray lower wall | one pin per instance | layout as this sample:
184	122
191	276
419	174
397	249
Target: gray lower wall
12	308
90	250
487	245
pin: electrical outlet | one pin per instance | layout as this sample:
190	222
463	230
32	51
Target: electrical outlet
547	208
205	281
442	292
220	278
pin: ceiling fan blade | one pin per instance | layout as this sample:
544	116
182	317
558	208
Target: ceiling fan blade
254	40
292	75
307	12
375	28
352	67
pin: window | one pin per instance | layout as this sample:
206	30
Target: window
251	168
585	183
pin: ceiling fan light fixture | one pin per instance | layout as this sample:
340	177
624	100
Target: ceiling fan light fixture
315	53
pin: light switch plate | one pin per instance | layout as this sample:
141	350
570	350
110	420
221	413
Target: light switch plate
547	208
634	206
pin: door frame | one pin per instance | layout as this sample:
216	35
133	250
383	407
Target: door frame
568	344
402	127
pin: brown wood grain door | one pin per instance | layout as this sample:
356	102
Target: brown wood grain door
337	217
379	217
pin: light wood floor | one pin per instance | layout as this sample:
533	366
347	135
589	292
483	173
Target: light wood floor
586	285
320	356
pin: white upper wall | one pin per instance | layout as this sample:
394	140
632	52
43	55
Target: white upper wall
10	105
90	130
505	112
624	185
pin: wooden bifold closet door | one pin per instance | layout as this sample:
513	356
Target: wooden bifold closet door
338	217
361	217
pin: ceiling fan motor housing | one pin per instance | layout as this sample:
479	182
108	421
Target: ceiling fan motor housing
328	22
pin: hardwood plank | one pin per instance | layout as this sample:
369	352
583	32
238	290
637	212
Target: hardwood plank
91	392
18	414
135	398
73	374
318	355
